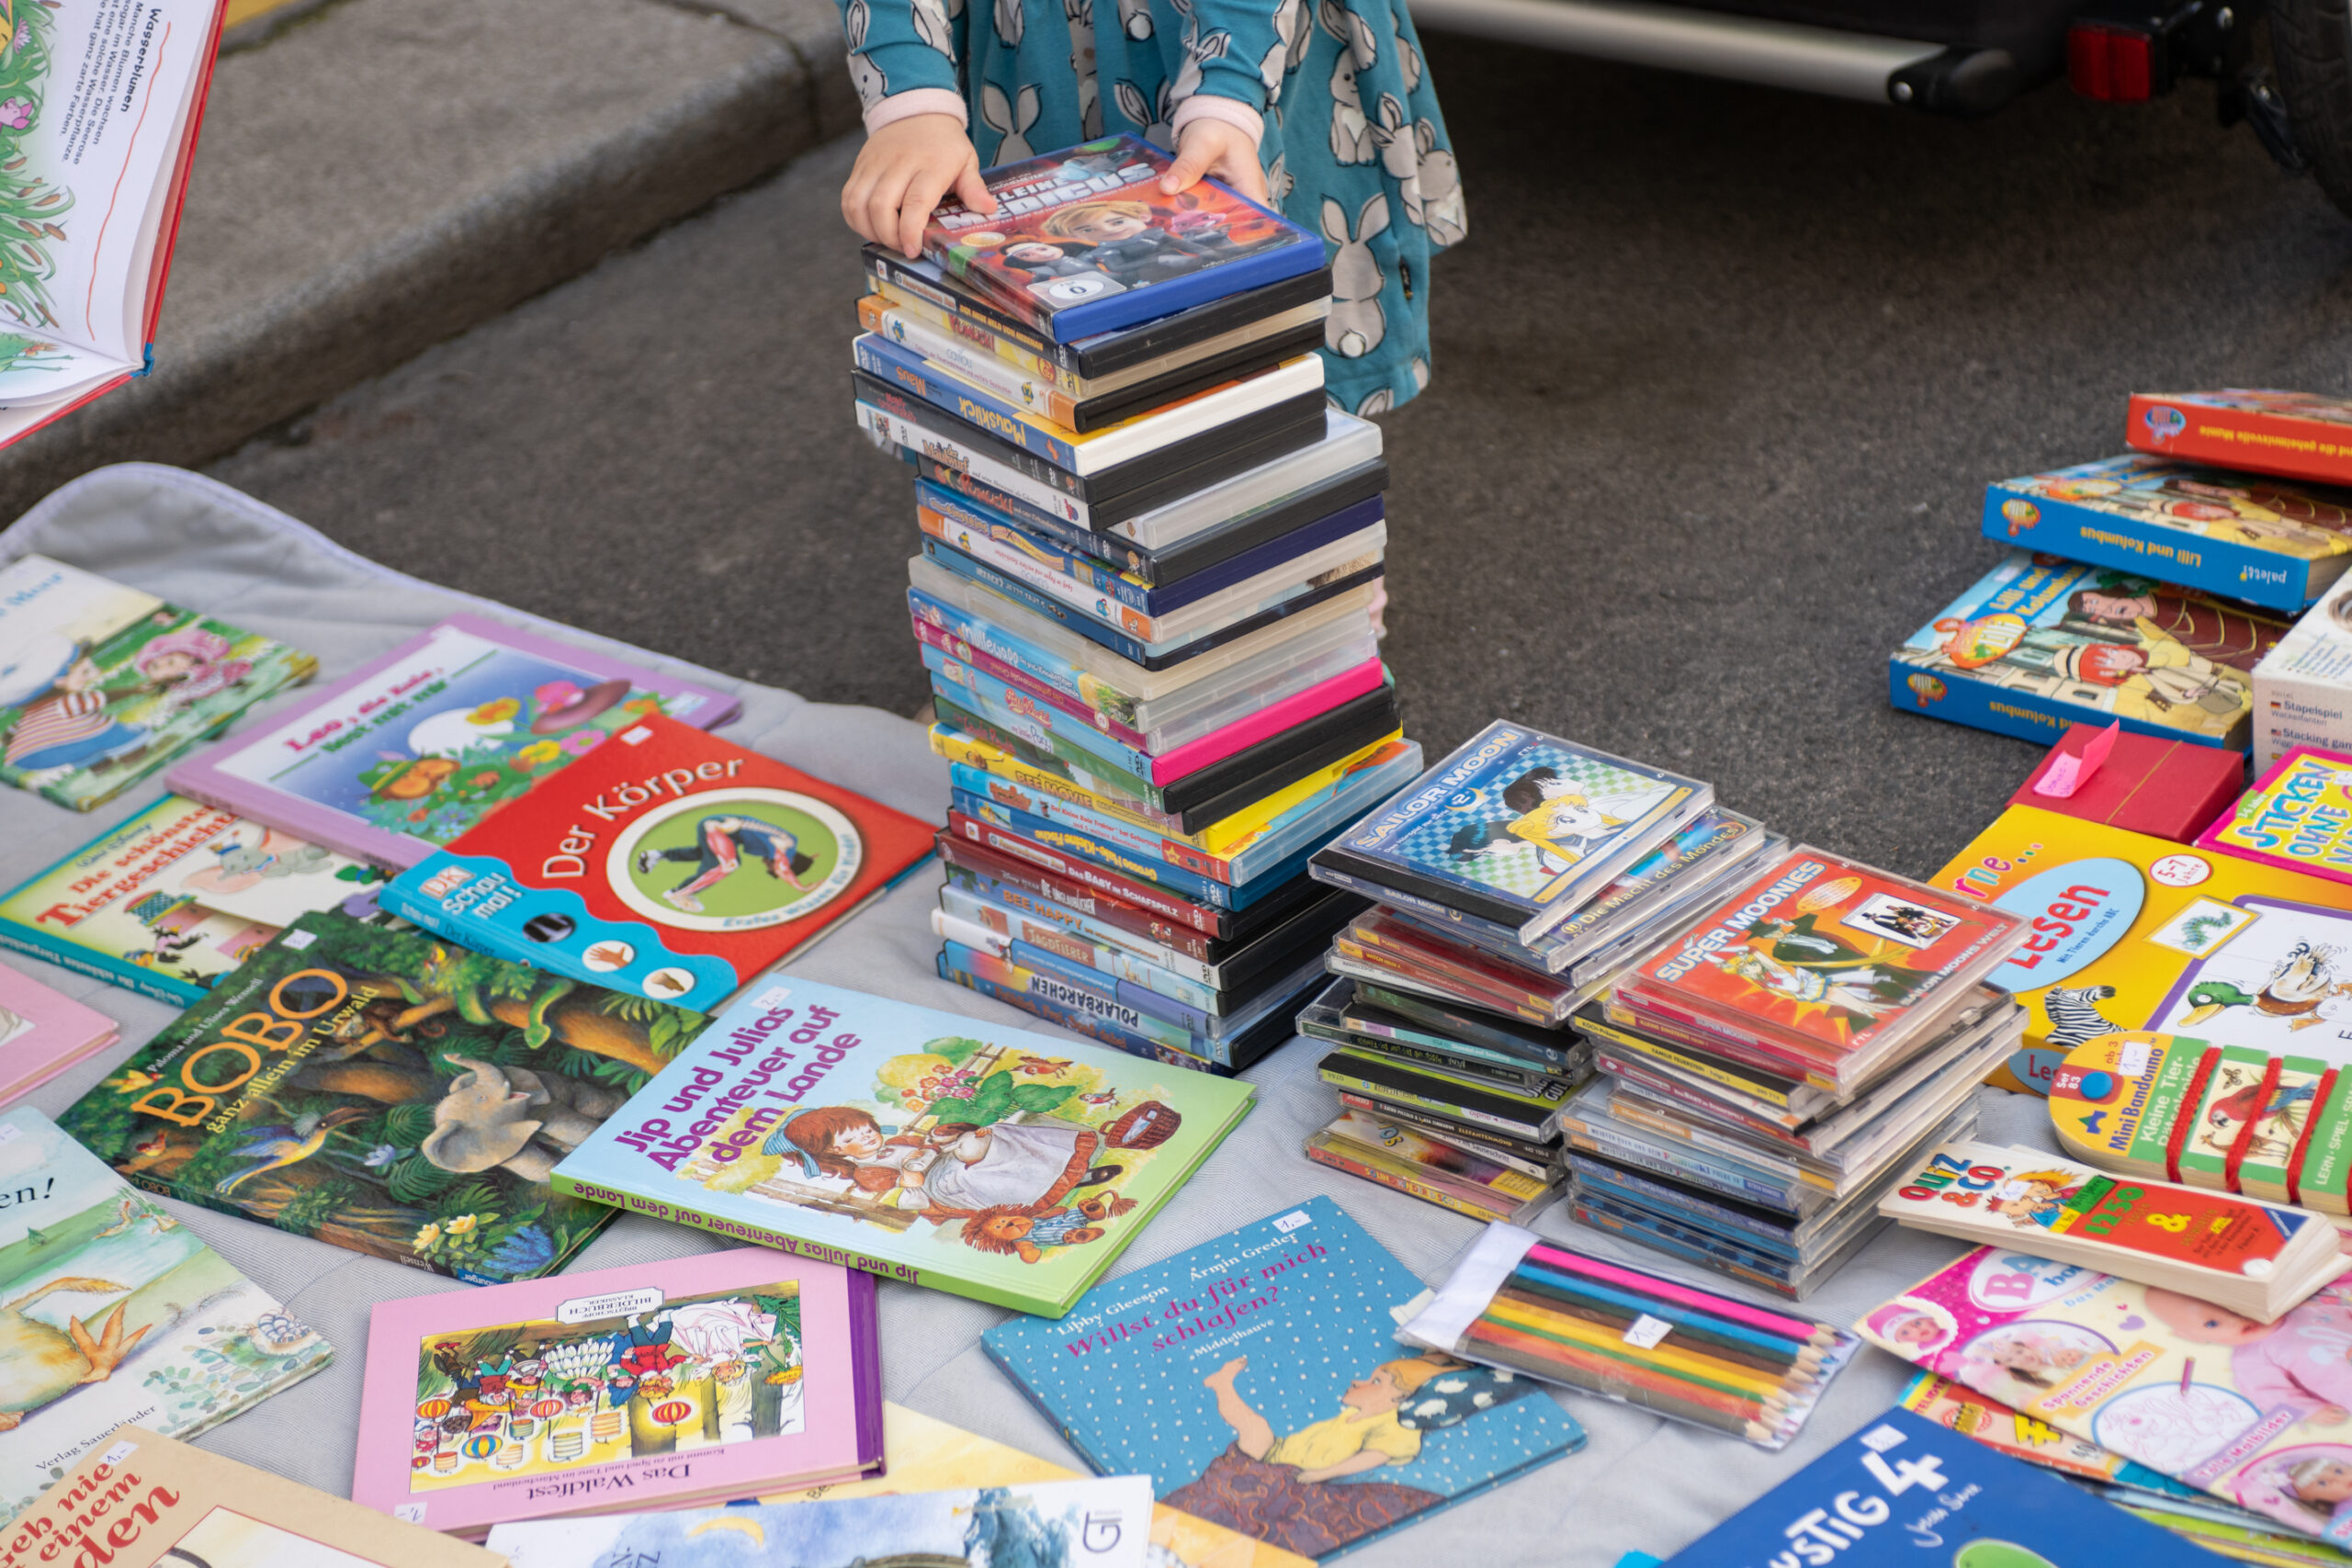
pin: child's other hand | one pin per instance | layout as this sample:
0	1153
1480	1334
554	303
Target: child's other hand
1220	150
902	171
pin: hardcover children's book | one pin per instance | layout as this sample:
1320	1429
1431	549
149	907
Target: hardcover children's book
2303	435
2040	643
2251	1412
1518	827
1082	240
1904	1490
412	749
662	1383
2298	817
42	1034
102	684
1054	1524
1259	1379
144	1500
175	897
2262	540
386	1092
985	1161
669	863
111	1309
2135	933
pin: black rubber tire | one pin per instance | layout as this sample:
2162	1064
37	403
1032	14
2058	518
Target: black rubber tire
2310	48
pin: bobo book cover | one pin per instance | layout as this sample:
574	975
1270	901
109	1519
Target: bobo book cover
660	1384
102	684
2038	643
1084	242
1257	1378
985	1161
669	862
384	1090
112	1311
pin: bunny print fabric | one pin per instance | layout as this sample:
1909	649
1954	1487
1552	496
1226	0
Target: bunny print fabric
1354	144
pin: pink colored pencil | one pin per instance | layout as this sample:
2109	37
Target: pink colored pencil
1575	1263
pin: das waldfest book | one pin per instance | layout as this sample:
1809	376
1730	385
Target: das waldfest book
2302	435
668	863
175	897
1257	1379
663	1384
1083	241
2297	817
387	1091
102	684
42	1034
111	1309
144	1500
411	750
973	1158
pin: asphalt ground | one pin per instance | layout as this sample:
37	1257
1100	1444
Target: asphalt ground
1721	374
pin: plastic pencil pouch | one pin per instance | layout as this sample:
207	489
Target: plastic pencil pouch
1517	1301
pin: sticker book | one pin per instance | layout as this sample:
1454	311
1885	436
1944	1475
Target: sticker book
2298	817
2040	643
42	1034
102	684
2302	435
111	1310
385	1092
669	863
411	750
713	1376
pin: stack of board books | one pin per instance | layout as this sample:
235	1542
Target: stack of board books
1151	557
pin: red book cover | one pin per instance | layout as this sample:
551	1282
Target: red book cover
2166	789
2303	435
667	861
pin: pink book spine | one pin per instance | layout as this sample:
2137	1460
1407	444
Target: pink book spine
1266	723
48	1033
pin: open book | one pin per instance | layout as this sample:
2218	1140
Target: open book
100	104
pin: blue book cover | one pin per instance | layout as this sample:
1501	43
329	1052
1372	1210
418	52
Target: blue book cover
1038	663
2276	542
1015	987
1518	828
902	368
1048	543
1906	1491
1026	715
1258	1379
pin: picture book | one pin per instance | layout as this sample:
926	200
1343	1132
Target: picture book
1053	1524
42	1034
2008	1431
2040	643
927	1146
1519	827
2298	816
920	1454
1904	1490
670	864
145	1501
2251	1412
1084	242
102	684
693	1379
386	1092
411	750
173	898
2303	435
1257	1379
112	1311
2136	933
95	179
2265	541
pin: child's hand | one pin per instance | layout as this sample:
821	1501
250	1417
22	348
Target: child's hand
902	171
1223	152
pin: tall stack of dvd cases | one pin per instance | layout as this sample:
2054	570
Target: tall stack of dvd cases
1583	972
1145	597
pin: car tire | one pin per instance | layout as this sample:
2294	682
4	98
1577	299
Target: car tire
2310	48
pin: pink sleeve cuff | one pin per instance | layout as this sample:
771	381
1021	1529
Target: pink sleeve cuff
919	100
1202	106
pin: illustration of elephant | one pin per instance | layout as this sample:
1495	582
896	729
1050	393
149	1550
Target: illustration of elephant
514	1119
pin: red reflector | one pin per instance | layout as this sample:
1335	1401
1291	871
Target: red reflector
2109	64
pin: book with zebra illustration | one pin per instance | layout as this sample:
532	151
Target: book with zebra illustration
2134	932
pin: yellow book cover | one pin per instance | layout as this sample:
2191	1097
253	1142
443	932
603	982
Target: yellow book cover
2130	932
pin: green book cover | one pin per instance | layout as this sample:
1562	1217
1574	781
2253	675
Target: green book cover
985	1161
387	1091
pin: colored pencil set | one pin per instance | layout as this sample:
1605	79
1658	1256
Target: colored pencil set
1517	1301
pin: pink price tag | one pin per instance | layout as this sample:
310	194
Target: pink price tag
2069	771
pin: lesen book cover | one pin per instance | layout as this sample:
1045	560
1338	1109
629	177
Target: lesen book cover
973	1159
1258	1381
386	1092
668	863
42	1034
660	1384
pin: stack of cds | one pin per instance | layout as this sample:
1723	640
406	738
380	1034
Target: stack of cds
1514	881
1145	597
